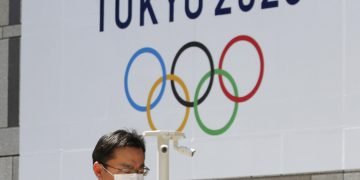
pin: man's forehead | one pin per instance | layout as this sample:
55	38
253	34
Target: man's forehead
128	156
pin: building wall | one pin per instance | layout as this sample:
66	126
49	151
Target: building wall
10	34
335	175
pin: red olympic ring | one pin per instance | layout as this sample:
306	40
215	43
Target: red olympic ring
256	87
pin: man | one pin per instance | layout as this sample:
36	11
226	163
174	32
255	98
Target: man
120	155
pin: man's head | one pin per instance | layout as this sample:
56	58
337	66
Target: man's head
119	152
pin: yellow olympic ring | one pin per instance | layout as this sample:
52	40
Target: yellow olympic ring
187	96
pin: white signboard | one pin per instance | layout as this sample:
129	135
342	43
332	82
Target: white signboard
259	87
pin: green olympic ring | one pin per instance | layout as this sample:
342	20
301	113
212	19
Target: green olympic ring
197	116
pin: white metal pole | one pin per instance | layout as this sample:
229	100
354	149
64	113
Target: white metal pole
163	138
163	157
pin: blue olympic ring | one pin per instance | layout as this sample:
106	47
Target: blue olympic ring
160	59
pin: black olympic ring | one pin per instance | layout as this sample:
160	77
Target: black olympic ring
208	54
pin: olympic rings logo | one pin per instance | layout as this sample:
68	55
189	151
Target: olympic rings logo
196	100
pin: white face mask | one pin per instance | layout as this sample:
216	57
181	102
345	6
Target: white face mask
133	176
128	177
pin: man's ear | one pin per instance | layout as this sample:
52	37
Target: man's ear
97	169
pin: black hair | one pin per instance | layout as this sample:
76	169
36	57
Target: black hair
106	145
